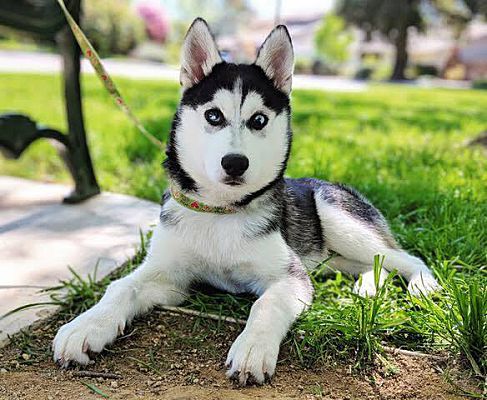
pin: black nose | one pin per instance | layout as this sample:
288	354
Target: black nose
235	164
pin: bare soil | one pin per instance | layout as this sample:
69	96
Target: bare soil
169	356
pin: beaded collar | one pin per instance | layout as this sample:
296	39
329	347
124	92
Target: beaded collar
196	205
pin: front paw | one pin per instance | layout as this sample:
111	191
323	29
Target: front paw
423	283
91	331
252	358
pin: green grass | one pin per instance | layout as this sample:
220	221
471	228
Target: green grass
344	325
403	147
458	318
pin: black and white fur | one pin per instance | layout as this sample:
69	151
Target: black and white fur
282	227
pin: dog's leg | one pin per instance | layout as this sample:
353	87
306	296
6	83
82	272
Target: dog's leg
365	285
253	355
150	284
359	241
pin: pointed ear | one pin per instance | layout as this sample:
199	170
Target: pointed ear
199	54
276	58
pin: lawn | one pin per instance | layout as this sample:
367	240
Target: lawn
404	148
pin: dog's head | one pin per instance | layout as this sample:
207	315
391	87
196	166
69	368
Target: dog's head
231	135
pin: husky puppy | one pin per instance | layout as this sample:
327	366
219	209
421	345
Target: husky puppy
232	220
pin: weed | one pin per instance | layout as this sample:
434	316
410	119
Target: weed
349	325
28	346
95	389
458	317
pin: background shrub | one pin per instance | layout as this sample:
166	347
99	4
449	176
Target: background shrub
480	84
112	26
426	69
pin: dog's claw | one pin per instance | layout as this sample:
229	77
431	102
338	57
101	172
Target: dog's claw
252	361
251	380
235	377
244	378
63	363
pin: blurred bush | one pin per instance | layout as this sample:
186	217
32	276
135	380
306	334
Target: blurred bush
364	73
426	69
302	66
480	84
112	26
11	39
320	67
373	67
332	41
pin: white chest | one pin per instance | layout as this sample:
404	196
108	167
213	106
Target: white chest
222	249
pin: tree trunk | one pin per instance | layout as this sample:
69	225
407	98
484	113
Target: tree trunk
401	43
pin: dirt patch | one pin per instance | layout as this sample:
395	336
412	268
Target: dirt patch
168	356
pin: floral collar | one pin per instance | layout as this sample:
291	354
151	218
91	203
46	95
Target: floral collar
195	205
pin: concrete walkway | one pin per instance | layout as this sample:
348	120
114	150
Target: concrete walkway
40	237
19	61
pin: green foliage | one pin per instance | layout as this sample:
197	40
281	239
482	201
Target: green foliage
426	69
344	324
28	344
95	389
302	66
332	40
458	317
112	26
480	84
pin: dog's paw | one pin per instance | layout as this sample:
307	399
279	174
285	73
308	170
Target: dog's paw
89	332
423	283
252	358
365	288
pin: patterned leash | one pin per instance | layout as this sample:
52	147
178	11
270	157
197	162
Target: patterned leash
105	78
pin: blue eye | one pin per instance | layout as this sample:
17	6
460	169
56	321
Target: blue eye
214	116
257	121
